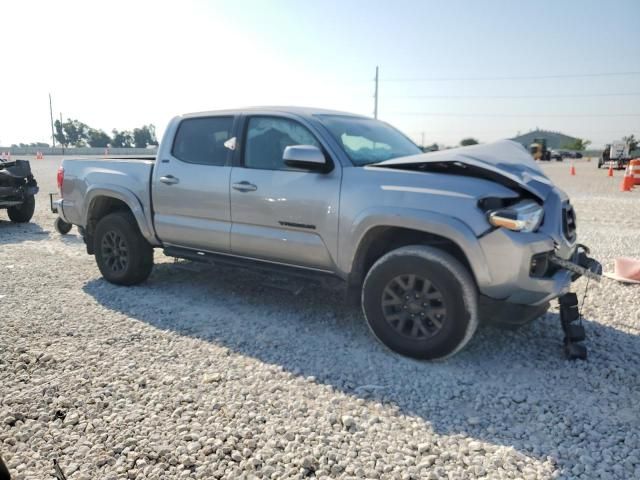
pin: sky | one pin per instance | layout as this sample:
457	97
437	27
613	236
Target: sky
448	69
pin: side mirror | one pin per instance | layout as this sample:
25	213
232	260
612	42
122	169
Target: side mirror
306	157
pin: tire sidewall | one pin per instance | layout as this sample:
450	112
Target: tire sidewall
455	330
62	227
124	225
24	212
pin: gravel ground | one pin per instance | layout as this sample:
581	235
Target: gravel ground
222	373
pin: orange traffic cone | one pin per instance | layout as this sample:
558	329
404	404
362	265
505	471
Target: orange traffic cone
627	182
610	170
634	168
573	169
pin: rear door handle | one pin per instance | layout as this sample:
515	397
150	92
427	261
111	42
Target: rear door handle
244	186
169	180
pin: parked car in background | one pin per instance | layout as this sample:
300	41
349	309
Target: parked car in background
556	155
429	243
571	154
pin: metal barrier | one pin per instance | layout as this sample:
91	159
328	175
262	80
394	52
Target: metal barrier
77	151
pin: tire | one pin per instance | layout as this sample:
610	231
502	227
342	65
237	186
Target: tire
449	298
62	227
22	213
123	255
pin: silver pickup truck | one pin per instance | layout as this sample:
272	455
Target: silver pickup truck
430	243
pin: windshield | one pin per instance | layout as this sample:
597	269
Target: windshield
368	141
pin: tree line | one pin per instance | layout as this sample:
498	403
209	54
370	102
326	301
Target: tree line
78	134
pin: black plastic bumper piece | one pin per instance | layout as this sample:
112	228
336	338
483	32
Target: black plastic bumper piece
574	332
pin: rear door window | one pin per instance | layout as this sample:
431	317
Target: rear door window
201	140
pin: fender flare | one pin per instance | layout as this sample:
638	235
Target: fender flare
130	199
425	221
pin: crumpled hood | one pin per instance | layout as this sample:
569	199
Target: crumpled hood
504	158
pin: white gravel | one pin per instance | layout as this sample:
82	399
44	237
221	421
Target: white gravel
209	373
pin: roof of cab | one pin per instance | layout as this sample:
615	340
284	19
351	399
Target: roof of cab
302	111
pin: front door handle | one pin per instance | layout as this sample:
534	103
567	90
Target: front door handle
244	186
169	180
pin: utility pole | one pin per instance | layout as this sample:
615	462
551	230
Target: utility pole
422	135
375	104
61	129
53	137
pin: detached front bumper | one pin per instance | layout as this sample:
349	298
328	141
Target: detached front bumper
521	268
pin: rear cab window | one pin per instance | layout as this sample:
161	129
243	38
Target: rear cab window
202	140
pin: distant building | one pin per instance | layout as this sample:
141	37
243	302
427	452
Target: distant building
555	140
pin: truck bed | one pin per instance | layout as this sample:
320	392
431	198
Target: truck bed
85	179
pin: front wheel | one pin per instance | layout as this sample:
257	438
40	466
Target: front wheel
22	213
123	255
420	302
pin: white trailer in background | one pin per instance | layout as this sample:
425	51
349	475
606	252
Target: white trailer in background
615	155
619	150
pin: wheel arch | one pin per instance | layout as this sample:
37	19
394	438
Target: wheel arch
103	201
426	228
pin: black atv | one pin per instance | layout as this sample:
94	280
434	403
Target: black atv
17	190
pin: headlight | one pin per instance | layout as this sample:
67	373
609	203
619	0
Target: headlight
522	217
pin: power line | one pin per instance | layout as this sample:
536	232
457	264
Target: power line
438	114
517	77
569	95
498	130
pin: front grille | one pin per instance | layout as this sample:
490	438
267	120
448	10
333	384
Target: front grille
569	222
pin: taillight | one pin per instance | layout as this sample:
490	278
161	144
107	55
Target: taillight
60	179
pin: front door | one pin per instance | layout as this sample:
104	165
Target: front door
278	213
191	185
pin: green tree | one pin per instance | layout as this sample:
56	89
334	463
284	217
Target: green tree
59	135
578	144
430	148
465	142
631	140
121	139
98	138
34	144
71	132
145	136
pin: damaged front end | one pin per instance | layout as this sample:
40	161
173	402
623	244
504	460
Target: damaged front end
530	238
17	183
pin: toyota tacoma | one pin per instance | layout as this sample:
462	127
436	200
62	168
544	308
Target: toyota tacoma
429	243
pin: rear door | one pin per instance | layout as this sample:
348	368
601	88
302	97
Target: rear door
190	189
282	214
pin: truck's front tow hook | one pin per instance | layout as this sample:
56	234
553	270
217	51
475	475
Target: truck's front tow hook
571	326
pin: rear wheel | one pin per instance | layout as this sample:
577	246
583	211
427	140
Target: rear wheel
62	227
22	213
123	255
420	302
